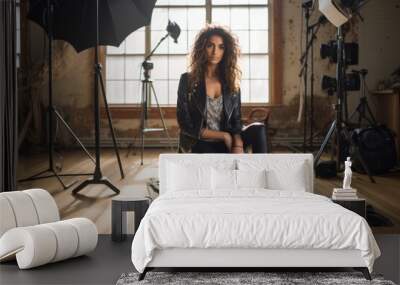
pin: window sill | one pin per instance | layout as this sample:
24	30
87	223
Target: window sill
132	111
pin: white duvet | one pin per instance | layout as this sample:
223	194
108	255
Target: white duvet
250	218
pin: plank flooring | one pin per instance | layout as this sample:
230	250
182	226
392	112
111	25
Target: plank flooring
94	201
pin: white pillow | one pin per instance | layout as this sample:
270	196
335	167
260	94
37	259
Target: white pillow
287	174
287	177
223	179
182	177
251	178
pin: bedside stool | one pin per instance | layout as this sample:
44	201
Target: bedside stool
122	204
358	205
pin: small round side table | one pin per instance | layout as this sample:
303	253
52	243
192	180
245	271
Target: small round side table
120	205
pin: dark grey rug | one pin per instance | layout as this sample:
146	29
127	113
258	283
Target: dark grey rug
243	278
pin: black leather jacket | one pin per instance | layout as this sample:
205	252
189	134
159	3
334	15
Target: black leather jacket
191	112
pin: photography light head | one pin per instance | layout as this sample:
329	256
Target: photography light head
352	83
173	30
339	12
329	50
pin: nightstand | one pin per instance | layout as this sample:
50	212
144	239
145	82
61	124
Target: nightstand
120	205
357	205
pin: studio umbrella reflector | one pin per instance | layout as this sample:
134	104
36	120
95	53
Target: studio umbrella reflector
75	20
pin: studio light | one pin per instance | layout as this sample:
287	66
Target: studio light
173	30
352	83
329	50
339	12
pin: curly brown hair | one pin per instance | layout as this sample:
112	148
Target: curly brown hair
228	69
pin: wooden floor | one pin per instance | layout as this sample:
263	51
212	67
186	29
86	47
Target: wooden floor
94	202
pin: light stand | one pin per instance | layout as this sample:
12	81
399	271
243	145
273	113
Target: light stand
306	6
339	126
173	30
313	29
97	175
51	110
363	110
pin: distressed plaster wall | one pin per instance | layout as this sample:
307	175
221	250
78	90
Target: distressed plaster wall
379	43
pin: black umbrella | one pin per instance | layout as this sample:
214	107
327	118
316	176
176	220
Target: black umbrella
86	24
75	20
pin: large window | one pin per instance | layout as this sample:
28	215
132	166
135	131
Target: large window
248	20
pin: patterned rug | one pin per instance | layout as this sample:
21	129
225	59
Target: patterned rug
243	278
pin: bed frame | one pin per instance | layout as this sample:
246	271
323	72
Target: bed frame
243	259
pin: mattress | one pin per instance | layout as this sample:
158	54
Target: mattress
250	219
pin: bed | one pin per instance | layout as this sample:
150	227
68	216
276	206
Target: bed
247	210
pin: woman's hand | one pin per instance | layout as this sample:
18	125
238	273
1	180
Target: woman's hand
228	141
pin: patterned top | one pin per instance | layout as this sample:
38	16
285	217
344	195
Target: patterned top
214	113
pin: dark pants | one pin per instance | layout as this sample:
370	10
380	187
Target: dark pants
254	136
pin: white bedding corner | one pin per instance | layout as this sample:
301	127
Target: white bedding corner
250	218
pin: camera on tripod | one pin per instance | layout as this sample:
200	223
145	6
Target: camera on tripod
352	82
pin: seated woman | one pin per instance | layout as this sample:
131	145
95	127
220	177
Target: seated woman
208	108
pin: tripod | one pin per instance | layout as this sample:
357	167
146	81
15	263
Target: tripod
51	110
147	91
339	127
97	175
363	108
313	29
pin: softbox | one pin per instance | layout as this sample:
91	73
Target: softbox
334	11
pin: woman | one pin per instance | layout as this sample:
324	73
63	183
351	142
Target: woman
208	108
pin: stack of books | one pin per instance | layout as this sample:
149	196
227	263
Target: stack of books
344	194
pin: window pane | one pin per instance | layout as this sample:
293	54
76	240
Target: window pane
115	67
162	2
259	18
231	2
159	19
258	41
133	91
259	66
259	91
161	89
240	19
116	50
186	2
245	91
173	92
156	36
221	16
181	47
135	42
115	91
243	37
178	15
220	2
132	67
191	39
160	70
177	66
244	64
238	2
258	2
197	18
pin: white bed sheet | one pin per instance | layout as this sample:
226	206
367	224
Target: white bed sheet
251	218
